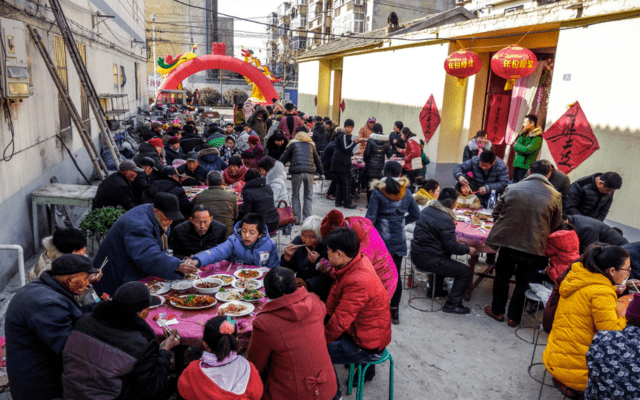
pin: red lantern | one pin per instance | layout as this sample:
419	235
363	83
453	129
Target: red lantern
512	63
462	64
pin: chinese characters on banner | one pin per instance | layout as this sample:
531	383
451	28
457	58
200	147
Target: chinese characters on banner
498	117
570	139
429	118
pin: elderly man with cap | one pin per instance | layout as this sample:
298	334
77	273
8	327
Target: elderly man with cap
131	364
195	174
143	179
136	246
169	182
117	189
152	149
173	151
38	322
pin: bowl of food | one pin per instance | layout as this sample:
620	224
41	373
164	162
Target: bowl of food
181	286
208	285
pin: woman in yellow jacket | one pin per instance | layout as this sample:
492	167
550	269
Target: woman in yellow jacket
587	305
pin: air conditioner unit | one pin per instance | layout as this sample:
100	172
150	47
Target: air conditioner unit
13	59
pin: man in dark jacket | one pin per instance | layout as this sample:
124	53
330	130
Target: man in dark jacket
434	241
152	149
258	199
634	252
136	246
489	174
305	162
592	196
113	352
326	156
190	141
258	123
169	182
341	164
173	151
198	234
320	136
591	230
524	217
116	189
222	205
395	139
376	151
144	179
195	174
560	181
38	322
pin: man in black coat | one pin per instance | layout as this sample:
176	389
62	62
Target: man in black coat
152	149
326	156
591	230
169	182
395	139
592	196
341	164
198	234
305	162
131	364
559	180
376	151
190	141
116	189
195	174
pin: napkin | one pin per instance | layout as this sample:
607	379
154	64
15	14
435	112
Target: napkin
168	322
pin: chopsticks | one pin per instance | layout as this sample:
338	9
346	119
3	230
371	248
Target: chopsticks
166	328
106	260
634	285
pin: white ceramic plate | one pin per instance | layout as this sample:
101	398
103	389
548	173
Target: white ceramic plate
228	295
192	308
248	308
161	301
254	300
158	287
239	284
237	273
226	278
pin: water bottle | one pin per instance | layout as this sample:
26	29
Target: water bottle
492	201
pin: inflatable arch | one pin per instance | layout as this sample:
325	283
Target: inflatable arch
218	60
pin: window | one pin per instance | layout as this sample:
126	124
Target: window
84	100
513	9
60	55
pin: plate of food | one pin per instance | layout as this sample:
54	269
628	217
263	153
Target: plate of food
192	301
161	301
181	286
251	295
208	285
191	277
228	295
247	284
246	273
484	216
236	309
158	287
226	278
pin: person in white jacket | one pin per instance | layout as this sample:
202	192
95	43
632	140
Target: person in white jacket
276	177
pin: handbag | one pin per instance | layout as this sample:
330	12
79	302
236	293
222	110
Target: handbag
285	214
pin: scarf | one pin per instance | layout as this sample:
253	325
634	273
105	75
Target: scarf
436	204
231	374
426	194
302	137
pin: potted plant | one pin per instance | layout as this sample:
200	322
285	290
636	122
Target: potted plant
97	223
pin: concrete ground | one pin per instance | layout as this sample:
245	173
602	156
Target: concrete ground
436	355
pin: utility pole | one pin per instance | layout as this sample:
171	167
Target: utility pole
153	29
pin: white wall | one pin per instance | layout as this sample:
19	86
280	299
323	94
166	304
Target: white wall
308	73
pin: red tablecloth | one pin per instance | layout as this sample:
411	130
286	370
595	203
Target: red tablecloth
188	325
473	236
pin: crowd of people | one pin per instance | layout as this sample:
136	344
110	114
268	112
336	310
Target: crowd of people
335	290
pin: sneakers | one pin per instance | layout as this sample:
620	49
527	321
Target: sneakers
456	309
395	316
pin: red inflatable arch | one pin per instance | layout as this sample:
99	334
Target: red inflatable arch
218	60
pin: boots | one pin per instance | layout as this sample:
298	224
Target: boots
368	376
395	316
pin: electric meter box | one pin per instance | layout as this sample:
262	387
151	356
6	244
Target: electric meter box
13	58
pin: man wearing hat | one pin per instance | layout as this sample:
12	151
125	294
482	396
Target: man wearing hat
131	364
172	150
152	149
195	174
136	245
169	182
116	189
143	179
38	322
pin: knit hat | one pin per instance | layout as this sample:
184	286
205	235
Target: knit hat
633	311
253	139
155	142
135	297
174	140
332	221
69	264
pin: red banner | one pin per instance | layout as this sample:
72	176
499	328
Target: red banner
498	117
570	139
429	118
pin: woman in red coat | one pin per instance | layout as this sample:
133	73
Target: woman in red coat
563	249
288	336
221	374
412	155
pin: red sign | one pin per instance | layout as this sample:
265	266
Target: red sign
512	63
429	118
570	139
498	117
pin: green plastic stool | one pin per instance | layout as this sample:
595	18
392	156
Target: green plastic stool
361	371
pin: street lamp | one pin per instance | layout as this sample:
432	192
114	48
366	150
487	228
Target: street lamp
153	28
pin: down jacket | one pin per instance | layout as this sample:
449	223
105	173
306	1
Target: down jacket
375	153
258	198
563	250
411	151
185	241
497	178
147	150
263	252
303	155
273	150
434	236
289	124
320	136
472	150
527	147
587	305
358	305
341	159
277	179
211	160
115	190
390	213
591	230
114	354
583	198
288	347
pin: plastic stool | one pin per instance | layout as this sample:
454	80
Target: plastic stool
361	371
530	297
433	290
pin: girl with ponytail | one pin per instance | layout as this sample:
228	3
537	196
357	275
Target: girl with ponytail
587	304
391	207
220	373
